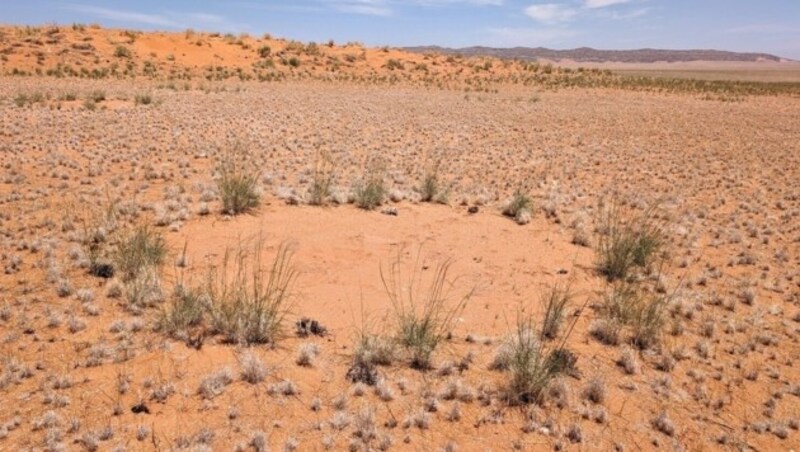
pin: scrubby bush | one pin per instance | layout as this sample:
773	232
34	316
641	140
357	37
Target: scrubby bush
123	52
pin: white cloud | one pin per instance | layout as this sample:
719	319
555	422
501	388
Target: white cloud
603	3
166	19
453	2
363	7
554	13
550	13
125	16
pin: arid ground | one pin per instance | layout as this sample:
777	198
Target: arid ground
321	260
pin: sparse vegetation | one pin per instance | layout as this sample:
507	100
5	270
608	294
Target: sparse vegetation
431	189
424	316
555	300
519	207
321	179
237	182
370	192
248	300
143	99
123	52
102	342
141	249
626	240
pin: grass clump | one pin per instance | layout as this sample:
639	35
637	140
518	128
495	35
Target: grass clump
532	365
237	182
20	100
141	249
123	52
633	306
370	192
425	314
143	99
97	96
371	350
431	189
626	241
556	300
322	180
186	310
248	301
143	291
519	207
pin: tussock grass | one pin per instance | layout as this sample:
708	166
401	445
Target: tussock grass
371	191
627	240
143	291
143	99
321	179
634	306
185	310
140	249
531	364
237	182
248	300
555	300
520	202
424	311
431	189
371	350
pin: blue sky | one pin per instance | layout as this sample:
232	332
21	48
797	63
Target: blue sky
771	26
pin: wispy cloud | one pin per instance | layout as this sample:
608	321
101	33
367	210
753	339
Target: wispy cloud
164	19
551	13
117	15
555	13
626	15
365	7
593	4
389	7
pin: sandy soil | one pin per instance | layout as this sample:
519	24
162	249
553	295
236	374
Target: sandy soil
77	357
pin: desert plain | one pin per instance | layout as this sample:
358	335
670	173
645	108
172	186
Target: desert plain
211	246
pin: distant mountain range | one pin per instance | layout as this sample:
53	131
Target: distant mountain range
589	55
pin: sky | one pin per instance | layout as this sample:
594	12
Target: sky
771	26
